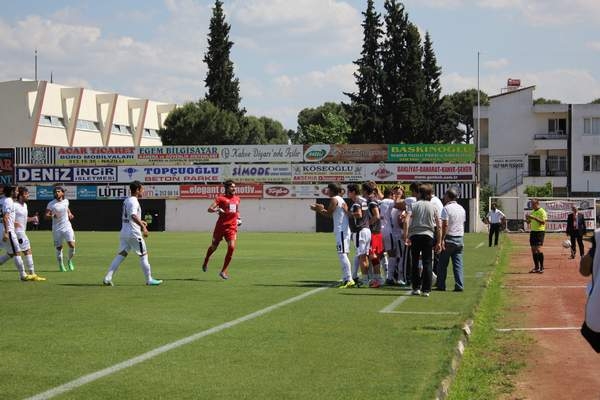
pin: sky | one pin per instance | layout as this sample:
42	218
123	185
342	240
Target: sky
294	54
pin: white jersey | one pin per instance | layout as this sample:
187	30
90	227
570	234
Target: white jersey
131	206
8	208
409	201
21	215
340	218
385	210
60	215
397	228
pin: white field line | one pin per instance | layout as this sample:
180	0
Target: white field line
390	308
556	328
163	349
545	287
479	245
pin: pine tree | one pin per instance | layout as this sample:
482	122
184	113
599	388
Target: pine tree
365	107
223	87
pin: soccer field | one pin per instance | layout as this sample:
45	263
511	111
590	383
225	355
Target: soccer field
275	330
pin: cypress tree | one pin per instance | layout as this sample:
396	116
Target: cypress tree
223	87
364	109
433	114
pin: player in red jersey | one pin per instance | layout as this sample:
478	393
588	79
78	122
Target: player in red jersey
228	207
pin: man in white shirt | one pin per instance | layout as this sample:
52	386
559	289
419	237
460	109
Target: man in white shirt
58	211
453	231
495	219
133	232
338	211
7	229
21	219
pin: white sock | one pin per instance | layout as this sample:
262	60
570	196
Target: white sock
20	267
71	252
355	267
392	265
145	264
345	265
4	258
384	263
29	263
59	257
113	267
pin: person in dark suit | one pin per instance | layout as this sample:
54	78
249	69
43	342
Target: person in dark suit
575	230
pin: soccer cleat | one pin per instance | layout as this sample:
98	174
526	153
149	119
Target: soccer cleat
154	282
223	275
62	268
425	294
37	278
347	284
375	284
534	270
27	278
107	283
71	265
205	268
415	292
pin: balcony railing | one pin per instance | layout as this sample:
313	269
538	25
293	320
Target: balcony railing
546	173
560	135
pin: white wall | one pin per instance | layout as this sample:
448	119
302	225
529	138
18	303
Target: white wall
584	145
266	215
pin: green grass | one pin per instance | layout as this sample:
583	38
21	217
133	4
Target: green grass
491	358
334	344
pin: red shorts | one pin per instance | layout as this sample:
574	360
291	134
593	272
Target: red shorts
224	232
376	244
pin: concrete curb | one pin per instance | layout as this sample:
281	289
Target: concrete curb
442	392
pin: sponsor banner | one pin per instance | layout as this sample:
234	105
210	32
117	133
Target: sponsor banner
297	191
261	153
7	166
218	154
435	172
112	156
327	173
110	192
66	174
508	162
345	153
161	192
47	192
381	172
258	172
171	174
87	193
557	211
35	156
210	191
461	153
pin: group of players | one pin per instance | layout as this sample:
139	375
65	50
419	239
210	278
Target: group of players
15	216
379	224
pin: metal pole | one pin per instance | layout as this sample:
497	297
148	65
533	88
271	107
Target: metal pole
477	149
36	65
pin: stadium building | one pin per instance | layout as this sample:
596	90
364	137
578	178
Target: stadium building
40	113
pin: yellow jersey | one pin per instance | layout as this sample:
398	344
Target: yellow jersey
540	213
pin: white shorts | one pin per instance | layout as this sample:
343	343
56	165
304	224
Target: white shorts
11	245
63	236
362	241
342	242
23	241
134	243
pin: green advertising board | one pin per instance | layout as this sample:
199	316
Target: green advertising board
460	153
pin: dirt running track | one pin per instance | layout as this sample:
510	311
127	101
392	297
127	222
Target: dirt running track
561	365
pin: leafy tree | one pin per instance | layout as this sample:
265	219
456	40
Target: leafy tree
597	101
202	123
542	100
539	191
318	116
223	87
333	129
274	131
461	104
364	108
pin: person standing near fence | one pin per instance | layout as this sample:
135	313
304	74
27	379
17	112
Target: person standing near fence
575	230
496	220
537	221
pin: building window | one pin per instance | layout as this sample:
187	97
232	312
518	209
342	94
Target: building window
591	163
557	126
51	120
151	133
85	125
557	166
591	126
121	129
